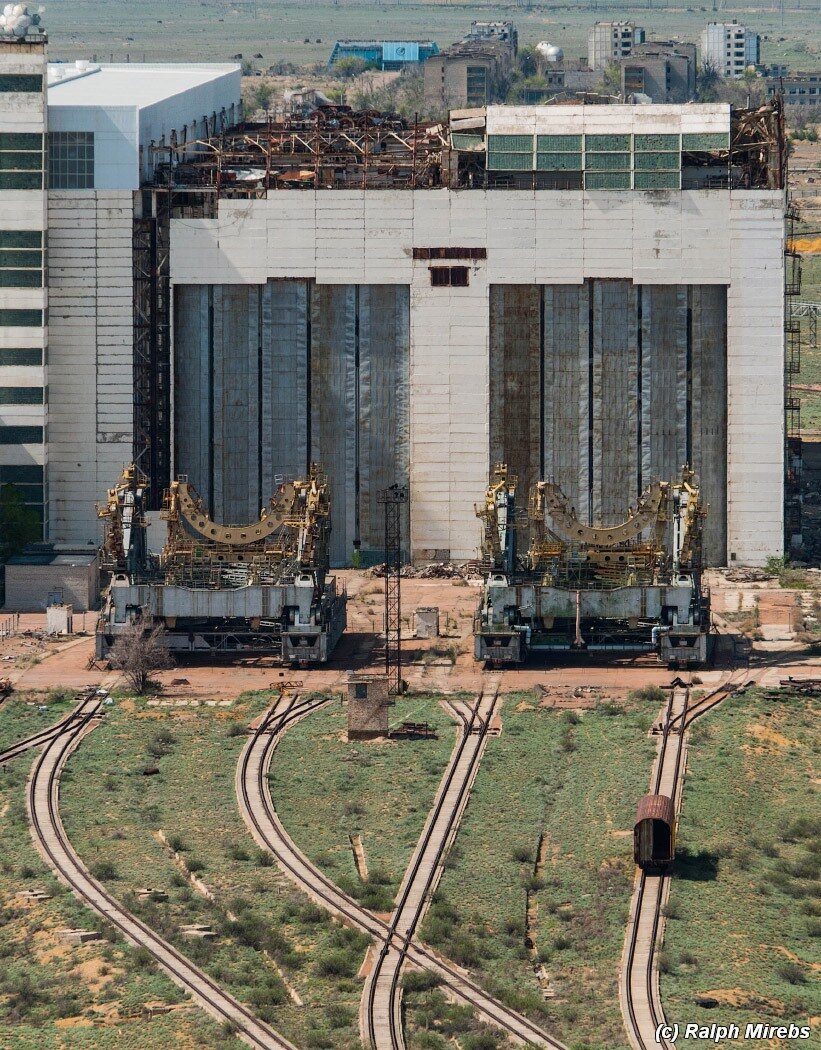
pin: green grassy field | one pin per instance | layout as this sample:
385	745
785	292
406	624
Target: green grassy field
215	30
326	789
572	782
272	942
59	997
20	715
742	940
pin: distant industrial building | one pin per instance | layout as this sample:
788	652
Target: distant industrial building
504	31
562	81
384	54
470	73
730	48
45	575
593	294
663	71
608	42
798	89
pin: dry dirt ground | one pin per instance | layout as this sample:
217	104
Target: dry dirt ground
443	665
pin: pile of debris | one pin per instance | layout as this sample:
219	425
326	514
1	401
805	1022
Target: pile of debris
436	570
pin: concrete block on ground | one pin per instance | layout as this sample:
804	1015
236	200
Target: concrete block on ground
426	622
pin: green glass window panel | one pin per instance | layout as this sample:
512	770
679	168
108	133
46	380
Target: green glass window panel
21	180
31	474
24	140
706	140
21	318
21	161
656	180
607	161
21	278
21	435
657	161
467	141
558	161
25	355
607	143
510	162
559	143
28	493
21	395
22	257
607	180
21	82
510	143
21	238
655	143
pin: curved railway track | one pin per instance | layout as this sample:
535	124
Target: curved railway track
263	821
42	736
51	840
382	991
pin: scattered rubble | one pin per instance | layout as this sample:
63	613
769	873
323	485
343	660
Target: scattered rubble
435	570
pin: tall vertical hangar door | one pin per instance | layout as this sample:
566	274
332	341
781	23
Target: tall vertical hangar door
632	384
270	377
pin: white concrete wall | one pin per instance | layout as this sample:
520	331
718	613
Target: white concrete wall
116	147
733	238
90	354
125	123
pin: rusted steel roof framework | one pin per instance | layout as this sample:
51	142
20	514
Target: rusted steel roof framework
337	148
333	148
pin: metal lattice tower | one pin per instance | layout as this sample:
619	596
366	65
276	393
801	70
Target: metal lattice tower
393	499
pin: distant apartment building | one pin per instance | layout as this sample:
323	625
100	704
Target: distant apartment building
730	48
470	73
665	71
384	54
608	42
504	31
798	89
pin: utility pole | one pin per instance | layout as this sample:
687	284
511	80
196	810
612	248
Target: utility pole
393	499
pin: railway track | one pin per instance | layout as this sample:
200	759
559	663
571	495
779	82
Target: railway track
640	994
51	840
263	821
44	735
381	1002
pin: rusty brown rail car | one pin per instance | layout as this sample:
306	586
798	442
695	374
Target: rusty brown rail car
654	834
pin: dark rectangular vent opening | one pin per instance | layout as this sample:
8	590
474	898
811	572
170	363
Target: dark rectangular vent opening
449	276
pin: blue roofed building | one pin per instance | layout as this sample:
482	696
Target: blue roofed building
384	54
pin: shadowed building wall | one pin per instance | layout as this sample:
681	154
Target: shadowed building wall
608	385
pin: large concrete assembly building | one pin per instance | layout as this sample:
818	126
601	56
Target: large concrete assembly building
589	294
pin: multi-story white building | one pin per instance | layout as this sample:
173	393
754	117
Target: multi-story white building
730	48
607	42
584	292
23	285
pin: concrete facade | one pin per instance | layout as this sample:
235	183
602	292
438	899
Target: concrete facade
798	89
36	579
732	239
471	73
730	48
91	429
131	107
127	109
23	292
664	72
607	42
